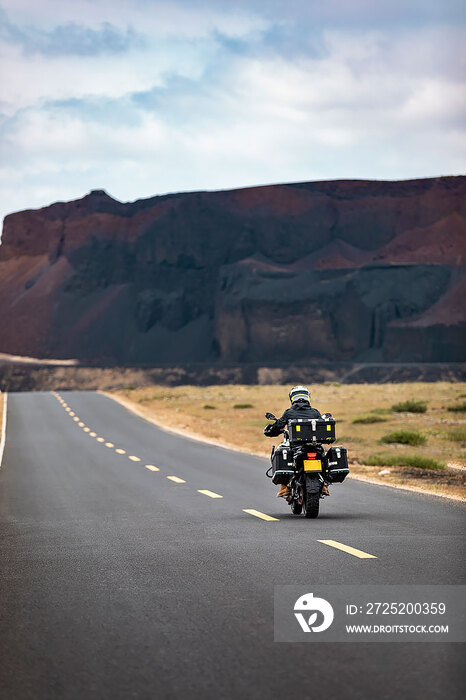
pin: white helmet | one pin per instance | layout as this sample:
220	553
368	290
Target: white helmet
300	393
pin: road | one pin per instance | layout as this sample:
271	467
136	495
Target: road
119	582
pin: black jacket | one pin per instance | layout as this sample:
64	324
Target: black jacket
300	409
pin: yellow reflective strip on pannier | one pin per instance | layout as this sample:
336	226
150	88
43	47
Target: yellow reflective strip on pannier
312	465
298	428
329	427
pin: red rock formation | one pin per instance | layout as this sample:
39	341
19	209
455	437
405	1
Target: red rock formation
348	270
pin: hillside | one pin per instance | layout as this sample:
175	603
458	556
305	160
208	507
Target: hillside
336	271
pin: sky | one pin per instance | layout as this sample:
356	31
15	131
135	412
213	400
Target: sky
144	97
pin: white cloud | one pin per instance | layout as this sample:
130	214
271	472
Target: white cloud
155	18
186	110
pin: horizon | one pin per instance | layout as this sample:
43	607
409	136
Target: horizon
224	189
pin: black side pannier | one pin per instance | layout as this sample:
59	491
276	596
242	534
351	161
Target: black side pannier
282	465
337	465
318	430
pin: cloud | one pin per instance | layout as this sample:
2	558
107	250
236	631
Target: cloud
201	96
69	39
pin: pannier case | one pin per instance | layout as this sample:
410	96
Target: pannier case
337	465
317	430
282	465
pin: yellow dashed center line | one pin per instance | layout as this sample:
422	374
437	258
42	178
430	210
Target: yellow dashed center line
258	514
210	494
205	492
349	550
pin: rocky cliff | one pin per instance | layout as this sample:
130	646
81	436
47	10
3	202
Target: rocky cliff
335	271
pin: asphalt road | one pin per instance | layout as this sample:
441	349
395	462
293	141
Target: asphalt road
118	582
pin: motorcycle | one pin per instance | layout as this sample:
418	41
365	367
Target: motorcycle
302	463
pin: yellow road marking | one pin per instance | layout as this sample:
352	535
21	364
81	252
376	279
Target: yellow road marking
120	452
152	468
86	430
109	444
133	458
65	405
81	424
350	550
99	439
258	514
211	494
76	419
71	413
68	409
93	434
176	479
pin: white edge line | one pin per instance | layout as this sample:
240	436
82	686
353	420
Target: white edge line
3	440
186	434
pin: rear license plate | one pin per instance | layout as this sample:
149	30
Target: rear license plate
312	465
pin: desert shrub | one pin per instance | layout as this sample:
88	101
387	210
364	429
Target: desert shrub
253	422
164	396
404	437
369	419
208	406
243	405
410	406
404	461
457	434
128	387
381	411
458	407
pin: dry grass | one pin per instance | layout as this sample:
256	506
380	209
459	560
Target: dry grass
183	408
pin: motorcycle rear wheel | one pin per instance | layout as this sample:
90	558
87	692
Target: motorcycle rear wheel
311	505
296	508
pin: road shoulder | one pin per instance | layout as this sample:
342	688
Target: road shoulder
3	414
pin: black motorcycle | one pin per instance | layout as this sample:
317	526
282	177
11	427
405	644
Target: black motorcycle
302	463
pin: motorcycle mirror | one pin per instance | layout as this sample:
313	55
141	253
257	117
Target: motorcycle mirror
270	416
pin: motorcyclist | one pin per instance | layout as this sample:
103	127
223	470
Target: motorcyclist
300	408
